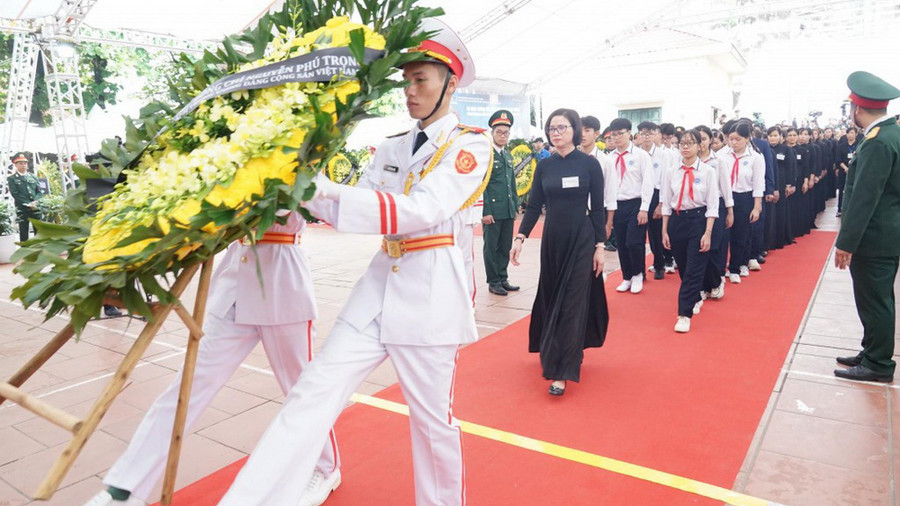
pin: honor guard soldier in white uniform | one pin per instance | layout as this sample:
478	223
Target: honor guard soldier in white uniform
412	304
241	312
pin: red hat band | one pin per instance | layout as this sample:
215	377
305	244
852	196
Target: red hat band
442	53
867	103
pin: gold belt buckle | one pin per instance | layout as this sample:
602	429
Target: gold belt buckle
393	248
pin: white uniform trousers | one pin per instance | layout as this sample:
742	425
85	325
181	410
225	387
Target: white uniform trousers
426	376
222	349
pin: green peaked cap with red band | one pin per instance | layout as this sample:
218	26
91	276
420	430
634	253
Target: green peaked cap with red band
870	91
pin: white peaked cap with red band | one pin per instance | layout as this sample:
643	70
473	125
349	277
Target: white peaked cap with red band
446	47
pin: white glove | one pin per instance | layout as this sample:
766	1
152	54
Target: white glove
327	189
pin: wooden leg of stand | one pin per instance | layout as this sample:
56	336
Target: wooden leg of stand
40	358
187	380
51	482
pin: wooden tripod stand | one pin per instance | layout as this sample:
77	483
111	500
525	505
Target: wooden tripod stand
83	429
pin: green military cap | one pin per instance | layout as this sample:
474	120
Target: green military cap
870	91
20	158
501	118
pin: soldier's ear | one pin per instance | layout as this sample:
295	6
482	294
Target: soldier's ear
452	85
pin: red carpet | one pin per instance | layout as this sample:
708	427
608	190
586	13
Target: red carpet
684	404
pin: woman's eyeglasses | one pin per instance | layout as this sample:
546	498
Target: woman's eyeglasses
561	129
686	144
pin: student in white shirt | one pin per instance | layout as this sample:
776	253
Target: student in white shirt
590	132
661	158
714	280
634	169
747	175
690	189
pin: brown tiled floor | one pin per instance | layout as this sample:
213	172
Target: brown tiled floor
821	441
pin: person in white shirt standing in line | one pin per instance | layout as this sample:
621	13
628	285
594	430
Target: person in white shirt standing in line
661	158
412	304
691	189
590	133
635	174
714	281
747	170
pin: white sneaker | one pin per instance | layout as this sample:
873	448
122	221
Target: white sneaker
745	272
719	291
637	284
670	269
683	324
697	306
105	499
734	278
704	295
753	265
320	487
651	268
624	286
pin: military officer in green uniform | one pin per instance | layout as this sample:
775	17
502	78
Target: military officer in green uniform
869	240
500	204
25	190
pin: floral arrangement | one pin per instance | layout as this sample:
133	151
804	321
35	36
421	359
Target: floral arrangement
51	207
192	182
525	175
347	166
50	171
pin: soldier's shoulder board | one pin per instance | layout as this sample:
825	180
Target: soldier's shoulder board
477	130
873	133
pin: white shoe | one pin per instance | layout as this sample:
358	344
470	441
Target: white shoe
105	499
719	291
704	296
745	272
753	265
624	286
320	487
670	269
697	306
637	284
734	278
651	268
683	324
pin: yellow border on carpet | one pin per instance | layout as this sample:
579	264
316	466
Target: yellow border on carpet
616	466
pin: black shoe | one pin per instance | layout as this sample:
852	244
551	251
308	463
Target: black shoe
850	361
838	215
659	274
555	390
863	373
111	311
497	289
761	259
508	287
764	254
609	247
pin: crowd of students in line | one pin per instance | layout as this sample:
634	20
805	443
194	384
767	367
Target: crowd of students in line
712	203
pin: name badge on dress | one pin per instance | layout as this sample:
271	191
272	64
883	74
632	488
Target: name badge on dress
849	156
570	182
391	168
780	156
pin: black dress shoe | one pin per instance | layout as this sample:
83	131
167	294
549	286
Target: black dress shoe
850	361
761	259
111	311
863	373
659	274
508	287
555	390
497	289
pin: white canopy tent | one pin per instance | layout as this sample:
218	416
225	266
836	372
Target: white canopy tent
779	58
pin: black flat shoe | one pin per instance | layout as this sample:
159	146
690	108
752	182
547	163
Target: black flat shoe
555	390
659	274
850	361
863	373
508	287
497	289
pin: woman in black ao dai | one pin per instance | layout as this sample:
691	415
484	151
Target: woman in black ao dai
570	311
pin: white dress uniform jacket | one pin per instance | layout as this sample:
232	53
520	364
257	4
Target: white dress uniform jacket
420	296
286	275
